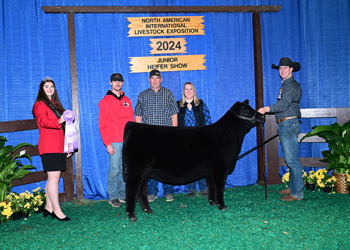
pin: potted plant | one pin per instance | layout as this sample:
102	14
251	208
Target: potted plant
338	154
27	203
10	166
24	203
324	180
14	199
5	211
311	181
39	200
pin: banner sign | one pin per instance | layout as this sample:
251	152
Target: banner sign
168	45
166	26
167	63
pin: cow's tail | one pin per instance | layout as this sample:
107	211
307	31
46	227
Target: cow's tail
125	171
126	133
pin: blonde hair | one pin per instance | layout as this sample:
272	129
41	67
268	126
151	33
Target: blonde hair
196	100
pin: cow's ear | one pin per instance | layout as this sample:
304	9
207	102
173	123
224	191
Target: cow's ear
246	102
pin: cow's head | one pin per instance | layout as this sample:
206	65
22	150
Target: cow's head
243	111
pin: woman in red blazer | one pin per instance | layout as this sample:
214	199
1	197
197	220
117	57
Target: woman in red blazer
48	112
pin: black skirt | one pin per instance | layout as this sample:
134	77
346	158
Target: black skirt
54	161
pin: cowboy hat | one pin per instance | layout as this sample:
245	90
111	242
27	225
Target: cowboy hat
285	61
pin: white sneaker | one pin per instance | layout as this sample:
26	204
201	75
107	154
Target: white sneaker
169	197
151	197
115	203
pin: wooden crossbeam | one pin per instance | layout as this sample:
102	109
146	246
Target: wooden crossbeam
20	125
161	9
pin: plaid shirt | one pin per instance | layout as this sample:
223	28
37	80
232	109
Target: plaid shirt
156	108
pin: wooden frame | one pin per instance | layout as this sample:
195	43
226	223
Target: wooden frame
256	10
272	154
68	175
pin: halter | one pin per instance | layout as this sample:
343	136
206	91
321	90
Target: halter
251	119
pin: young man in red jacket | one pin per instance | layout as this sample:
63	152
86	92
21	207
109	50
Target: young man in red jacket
115	112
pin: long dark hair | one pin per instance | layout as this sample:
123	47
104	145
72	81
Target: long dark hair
55	100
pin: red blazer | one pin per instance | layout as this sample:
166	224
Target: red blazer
51	137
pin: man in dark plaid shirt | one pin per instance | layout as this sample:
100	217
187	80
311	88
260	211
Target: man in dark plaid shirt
157	106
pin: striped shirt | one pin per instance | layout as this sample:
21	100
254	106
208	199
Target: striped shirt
156	108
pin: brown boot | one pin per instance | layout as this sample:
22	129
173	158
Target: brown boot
284	191
289	197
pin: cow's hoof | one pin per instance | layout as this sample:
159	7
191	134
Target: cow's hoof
222	207
212	202
133	219
149	211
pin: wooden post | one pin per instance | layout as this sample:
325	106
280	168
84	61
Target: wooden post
259	93
75	104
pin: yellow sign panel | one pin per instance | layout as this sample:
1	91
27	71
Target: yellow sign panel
167	63
168	45
166	26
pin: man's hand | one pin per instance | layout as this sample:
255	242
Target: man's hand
110	150
264	110
138	119
174	120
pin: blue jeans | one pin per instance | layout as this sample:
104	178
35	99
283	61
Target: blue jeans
202	185
116	185
288	132
153	187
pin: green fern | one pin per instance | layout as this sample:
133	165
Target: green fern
338	138
10	166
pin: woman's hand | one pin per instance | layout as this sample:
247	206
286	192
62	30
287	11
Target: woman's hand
69	154
61	120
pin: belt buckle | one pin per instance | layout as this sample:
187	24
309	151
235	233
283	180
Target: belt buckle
286	118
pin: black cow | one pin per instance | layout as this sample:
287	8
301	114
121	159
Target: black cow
183	155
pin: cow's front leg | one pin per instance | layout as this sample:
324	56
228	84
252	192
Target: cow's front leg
143	197
219	180
211	190
219	188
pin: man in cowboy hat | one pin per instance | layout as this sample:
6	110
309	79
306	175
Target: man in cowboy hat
287	112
